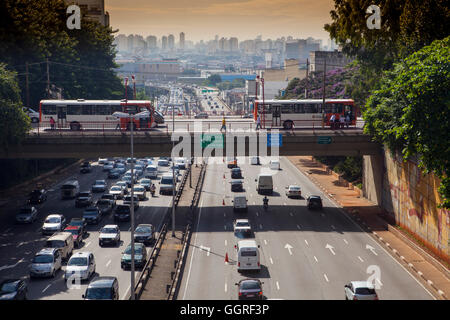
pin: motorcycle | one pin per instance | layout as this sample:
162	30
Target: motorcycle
266	205
152	192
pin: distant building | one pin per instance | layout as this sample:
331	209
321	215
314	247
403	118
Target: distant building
165	69
92	9
234	44
276	80
182	40
164	43
151	42
335	59
171	42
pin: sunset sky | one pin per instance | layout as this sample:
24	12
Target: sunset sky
203	19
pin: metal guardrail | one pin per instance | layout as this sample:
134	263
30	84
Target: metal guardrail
148	267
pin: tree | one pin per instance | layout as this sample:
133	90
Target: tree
411	111
406	26
214	79
14	122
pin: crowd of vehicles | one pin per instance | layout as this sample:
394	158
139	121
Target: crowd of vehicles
64	236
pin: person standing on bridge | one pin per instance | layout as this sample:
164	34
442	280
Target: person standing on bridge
342	121
224	126
52	123
258	122
332	120
347	120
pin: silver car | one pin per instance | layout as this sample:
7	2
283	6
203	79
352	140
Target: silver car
46	263
360	290
53	223
109	234
80	265
27	215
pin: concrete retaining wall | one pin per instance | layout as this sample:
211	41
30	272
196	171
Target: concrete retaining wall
411	198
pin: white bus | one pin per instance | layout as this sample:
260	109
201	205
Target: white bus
94	114
302	113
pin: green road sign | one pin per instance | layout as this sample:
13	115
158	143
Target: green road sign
212	140
324	140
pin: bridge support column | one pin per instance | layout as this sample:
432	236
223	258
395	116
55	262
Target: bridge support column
372	184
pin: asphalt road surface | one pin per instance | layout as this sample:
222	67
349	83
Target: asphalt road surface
19	243
304	254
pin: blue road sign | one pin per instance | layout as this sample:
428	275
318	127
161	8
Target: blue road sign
274	140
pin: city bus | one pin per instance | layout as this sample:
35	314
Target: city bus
302	113
94	114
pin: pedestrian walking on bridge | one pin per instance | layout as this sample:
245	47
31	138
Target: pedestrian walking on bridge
224	126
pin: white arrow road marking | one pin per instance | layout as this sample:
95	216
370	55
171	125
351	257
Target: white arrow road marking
208	250
291	214
371	249
360	259
265	242
334	228
11	266
331	248
316	259
271	261
326	278
278	285
306	242
289	247
109	261
298	227
87	244
225	287
226	242
345	241
257	214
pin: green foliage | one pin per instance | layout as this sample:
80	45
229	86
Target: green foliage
411	110
83	60
349	167
14	122
214	79
227	85
406	26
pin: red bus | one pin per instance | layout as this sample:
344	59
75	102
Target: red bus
95	114
303	113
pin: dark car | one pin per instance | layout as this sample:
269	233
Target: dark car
314	202
236	173
37	196
84	199
79	222
85	167
77	234
236	185
102	288
122	212
144	233
109	196
140	256
13	289
114	174
92	215
105	206
250	289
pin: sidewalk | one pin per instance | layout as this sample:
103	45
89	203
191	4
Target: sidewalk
433	275
161	275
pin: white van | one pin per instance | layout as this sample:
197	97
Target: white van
70	189
264	183
62	241
247	255
240	203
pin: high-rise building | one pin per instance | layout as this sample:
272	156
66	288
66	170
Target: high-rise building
164	43
171	42
234	44
92	9
182	40
151	42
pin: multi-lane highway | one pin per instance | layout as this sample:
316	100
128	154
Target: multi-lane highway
304	254
19	243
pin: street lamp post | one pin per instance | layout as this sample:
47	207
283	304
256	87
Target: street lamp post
173	176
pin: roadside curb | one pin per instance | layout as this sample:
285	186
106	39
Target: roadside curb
398	234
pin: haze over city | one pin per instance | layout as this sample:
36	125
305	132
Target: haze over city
202	19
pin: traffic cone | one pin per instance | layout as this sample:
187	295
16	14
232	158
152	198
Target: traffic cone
223	202
226	258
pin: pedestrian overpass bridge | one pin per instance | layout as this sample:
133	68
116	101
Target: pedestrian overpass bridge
95	144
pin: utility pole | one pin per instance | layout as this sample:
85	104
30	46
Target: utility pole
307	80
48	80
26	85
173	176
323	90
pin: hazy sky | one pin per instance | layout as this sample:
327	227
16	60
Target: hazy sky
203	19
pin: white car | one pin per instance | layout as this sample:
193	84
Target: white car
181	162
109	234
293	191
81	265
360	290
34	115
140	192
117	191
241	223
53	223
108	166
255	161
102	160
274	165
99	186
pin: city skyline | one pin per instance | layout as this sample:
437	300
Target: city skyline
203	20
